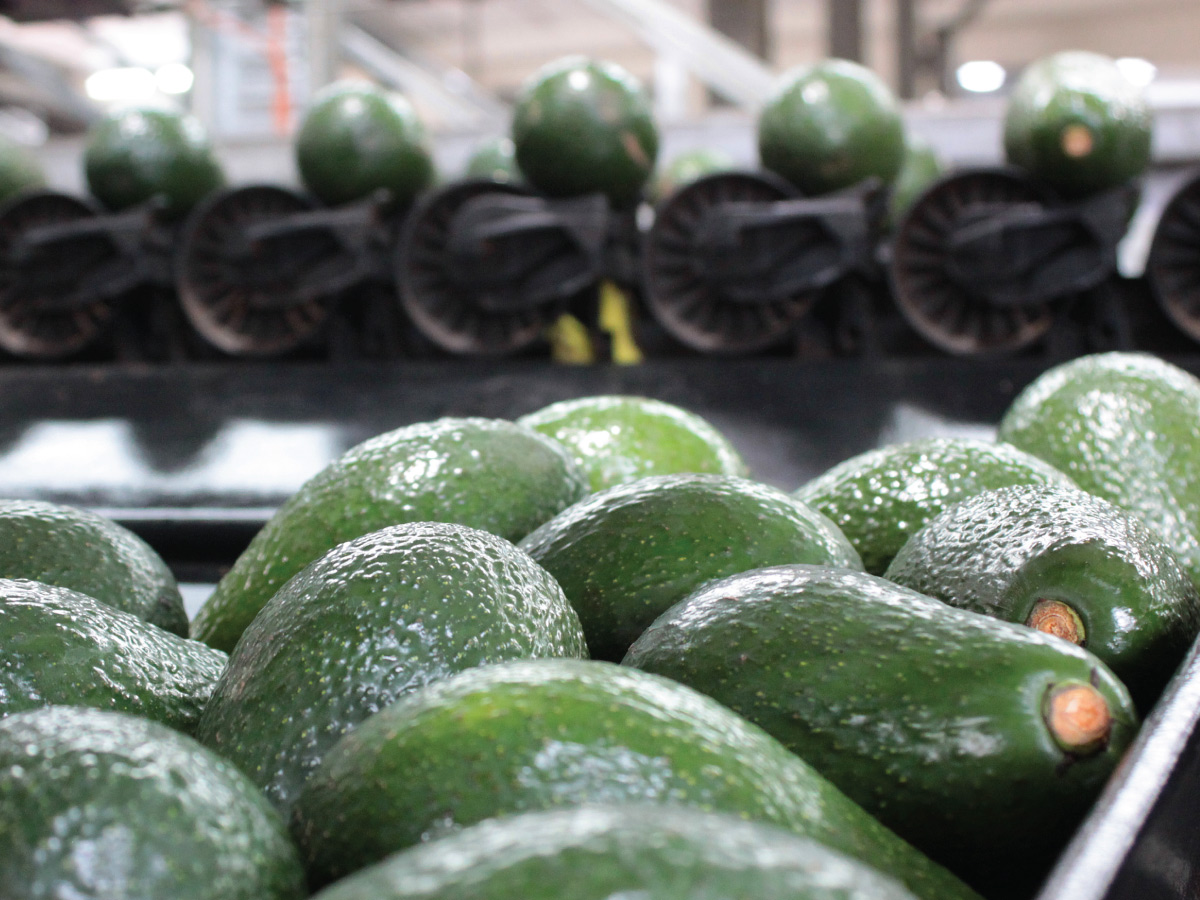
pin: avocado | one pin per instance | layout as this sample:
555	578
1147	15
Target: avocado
357	138
368	622
1125	427
496	160
104	805
599	852
1076	122
880	497
486	473
922	166
20	170
582	126
78	549
540	734
1067	563
137	153
617	439
980	742
831	125
625	555
63	647
686	167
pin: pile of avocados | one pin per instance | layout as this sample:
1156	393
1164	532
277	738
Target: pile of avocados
587	655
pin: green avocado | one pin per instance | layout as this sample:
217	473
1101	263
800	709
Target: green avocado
617	439
581	126
686	167
922	166
63	647
138	153
102	805
1067	563
1125	427
880	497
980	742
77	549
495	159
357	138
486	473
1074	121
625	555
829	126
545	734
370	621
20	169
602	852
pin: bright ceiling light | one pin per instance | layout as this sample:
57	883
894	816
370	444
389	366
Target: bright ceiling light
1136	70
981	76
123	84
174	78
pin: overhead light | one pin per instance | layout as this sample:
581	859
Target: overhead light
121	84
1137	71
981	76
174	78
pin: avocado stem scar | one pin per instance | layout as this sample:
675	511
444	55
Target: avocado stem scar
1078	718
1057	618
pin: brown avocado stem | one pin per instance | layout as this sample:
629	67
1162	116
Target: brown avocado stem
1078	718
1057	618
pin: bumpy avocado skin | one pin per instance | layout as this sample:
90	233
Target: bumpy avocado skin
625	555
929	717
1125	427
77	549
1000	552
486	473
880	497
618	439
63	647
542	734
599	852
371	620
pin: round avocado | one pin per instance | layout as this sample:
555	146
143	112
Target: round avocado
495	159
922	166
581	126
686	167
105	805
1077	123
138	153
357	138
618	439
830	125
20	170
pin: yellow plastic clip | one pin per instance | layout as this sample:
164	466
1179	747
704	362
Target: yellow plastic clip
570	342
615	318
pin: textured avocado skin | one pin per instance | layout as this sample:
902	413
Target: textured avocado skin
601	852
77	549
486	473
1125	427
370	621
999	552
357	138
581	126
929	717
625	555
1086	92
829	126
618	439
540	734
104	805
63	647
880	497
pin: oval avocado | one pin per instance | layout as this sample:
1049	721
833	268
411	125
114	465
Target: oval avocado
495	159
368	622
542	734
104	805
942	723
922	166
625	555
601	852
684	168
489	474
20	169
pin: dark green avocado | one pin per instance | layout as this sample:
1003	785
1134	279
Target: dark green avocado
77	549
104	806
368	622
63	647
601	852
486	473
625	555
1067	563
581	126
496	160
880	497
552	733
980	742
